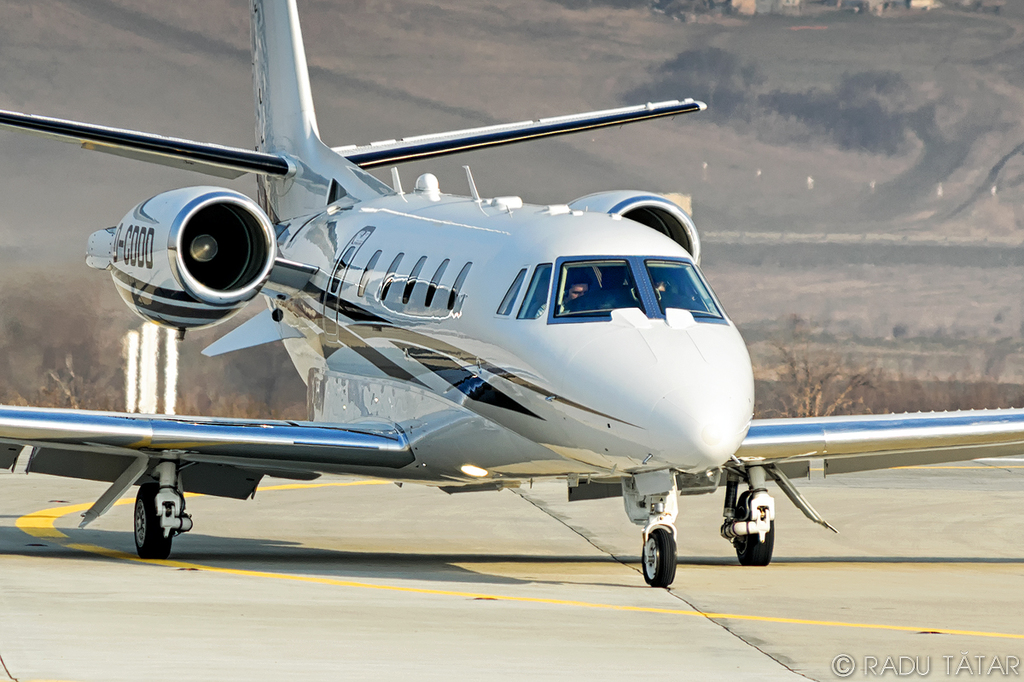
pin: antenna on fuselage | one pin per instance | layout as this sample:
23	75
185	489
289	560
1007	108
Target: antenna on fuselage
472	185
396	182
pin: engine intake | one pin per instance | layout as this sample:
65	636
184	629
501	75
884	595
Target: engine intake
652	210
224	249
188	258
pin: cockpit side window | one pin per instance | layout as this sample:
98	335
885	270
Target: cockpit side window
513	292
677	285
595	288
535	302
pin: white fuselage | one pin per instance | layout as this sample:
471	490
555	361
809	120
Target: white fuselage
514	397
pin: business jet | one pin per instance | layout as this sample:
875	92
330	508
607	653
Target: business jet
464	342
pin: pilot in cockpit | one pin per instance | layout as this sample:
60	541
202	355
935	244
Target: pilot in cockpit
575	299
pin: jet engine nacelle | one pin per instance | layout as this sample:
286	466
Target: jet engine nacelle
649	209
188	258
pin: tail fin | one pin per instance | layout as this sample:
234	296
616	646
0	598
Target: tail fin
286	121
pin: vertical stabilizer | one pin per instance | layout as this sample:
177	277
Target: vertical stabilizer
286	121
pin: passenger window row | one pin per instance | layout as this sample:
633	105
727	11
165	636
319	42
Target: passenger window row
415	276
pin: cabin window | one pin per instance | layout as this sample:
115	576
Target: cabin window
677	285
434	281
370	265
390	276
457	287
342	265
596	288
410	284
536	299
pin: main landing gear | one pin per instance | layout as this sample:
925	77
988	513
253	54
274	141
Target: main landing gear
651	501
160	513
750	519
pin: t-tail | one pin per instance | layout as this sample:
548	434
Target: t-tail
286	121
192	257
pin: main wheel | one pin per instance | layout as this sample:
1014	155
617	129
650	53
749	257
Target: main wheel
150	542
749	548
659	558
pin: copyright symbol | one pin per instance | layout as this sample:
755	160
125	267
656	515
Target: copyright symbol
843	665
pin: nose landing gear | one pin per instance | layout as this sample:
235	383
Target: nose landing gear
651	501
659	558
160	513
750	520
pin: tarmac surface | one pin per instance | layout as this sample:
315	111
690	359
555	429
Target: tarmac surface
349	579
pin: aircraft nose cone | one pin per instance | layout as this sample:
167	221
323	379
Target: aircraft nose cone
701	429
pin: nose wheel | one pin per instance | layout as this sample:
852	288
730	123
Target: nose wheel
659	558
650	501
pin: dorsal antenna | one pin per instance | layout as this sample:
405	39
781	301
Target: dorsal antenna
396	182
472	185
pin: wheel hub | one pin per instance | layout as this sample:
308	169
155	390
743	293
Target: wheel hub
651	556
140	523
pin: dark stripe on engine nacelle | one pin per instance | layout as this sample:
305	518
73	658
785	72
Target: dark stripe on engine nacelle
150	290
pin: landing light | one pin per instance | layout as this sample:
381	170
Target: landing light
473	471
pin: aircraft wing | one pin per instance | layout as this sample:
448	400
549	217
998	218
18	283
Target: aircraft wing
211	159
232	162
225	457
440	144
863	443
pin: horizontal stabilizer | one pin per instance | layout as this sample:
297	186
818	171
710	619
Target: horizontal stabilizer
254	332
441	144
211	159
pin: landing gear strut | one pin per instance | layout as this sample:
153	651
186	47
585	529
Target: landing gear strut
160	513
651	501
750	520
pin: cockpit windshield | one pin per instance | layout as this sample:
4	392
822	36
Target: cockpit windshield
595	288
677	285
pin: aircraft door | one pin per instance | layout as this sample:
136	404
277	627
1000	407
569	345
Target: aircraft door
336	285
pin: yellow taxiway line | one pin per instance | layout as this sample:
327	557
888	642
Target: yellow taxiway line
40	524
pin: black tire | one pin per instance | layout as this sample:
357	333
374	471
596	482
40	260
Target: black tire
752	552
749	548
150	542
658	558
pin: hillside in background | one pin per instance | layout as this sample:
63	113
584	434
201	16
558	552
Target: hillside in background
862	173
